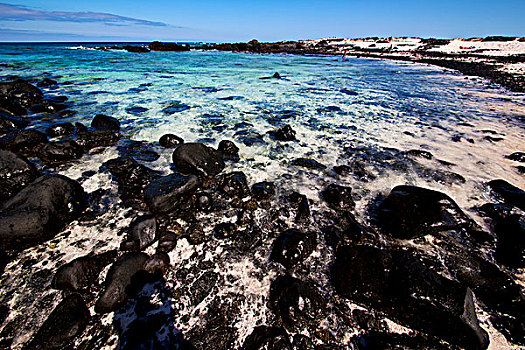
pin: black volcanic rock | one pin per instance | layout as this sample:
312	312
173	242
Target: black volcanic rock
141	233
9	122
292	247
40	211
60	129
25	142
308	163
229	150
170	193
159	46
47	107
517	156
268	338
20	84
509	193
62	151
80	273
263	190
46	82
170	141
198	159
16	172
234	185
402	286
410	212
97	138
118	280
105	123
67	321
338	197
286	133
297	303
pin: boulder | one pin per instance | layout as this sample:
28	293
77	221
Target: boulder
298	304
60	129
40	211
198	159
67	321
141	233
234	185
61	151
16	172
170	141
285	133
170	193
139	150
20	84
409	212
302	207
229	150
292	247
105	123
25	142
9	106
119	278
47	107
338	197
509	193
517	156
81	273
9	122
403	287
97	138
268	338
263	190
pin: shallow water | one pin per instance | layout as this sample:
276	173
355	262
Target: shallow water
361	110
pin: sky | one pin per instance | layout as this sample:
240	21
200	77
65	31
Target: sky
268	20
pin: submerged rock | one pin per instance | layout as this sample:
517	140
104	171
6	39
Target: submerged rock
62	151
118	280
80	273
16	172
286	133
105	123
47	107
170	193
308	163
409	212
402	286
292	247
198	159
170	141
137	149
46	82
40	211
67	321
297	303
267	338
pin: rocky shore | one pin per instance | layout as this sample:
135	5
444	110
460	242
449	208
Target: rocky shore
203	249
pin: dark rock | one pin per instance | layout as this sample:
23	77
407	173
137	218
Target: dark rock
25	142
67	321
105	123
46	82
137	149
198	159
225	230
203	201
80	273
387	341
47	107
297	303
513	328
9	106
9	122
410	212
62	151
348	92
24	98
170	193
509	193
141	233
517	156
98	138
402	286
286	133
60	129
338	197
308	163
268	338
292	247
118	280
132	177
229	150
493	139
510	248
16	172
136	110
160	46
40	211
263	190
167	242
419	153
176	108
170	141
234	185
203	286
20	84
81	128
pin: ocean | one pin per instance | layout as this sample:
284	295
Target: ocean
369	112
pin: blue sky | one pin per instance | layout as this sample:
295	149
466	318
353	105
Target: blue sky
270	20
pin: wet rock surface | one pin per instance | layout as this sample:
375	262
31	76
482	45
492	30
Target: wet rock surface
16	172
198	159
171	193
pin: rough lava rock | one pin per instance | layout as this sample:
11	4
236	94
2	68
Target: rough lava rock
119	278
60	129
171	192
10	122
80	273
67	321
16	172
40	211
308	163
292	247
402	286
198	159
409	212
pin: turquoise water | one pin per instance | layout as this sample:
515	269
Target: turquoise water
336	108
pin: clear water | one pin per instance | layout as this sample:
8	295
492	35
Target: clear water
334	106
